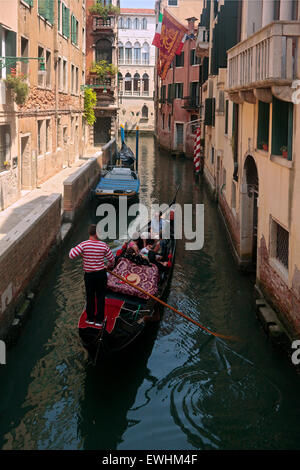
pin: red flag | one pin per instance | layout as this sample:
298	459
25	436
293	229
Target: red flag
171	36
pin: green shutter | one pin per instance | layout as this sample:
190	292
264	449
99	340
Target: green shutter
58	16
10	48
43	4
290	131
50	11
67	22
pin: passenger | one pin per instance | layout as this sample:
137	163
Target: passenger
157	225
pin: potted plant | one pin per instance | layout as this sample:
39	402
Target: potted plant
284	151
264	146
6	164
90	100
18	86
104	70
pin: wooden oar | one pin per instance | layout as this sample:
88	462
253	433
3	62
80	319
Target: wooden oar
172	308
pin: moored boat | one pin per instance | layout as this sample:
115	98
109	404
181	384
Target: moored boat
116	182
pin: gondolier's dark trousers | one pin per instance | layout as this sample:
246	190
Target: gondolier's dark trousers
95	287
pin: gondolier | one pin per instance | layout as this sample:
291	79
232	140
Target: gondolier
93	252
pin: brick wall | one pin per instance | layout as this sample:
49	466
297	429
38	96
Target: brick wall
22	252
284	299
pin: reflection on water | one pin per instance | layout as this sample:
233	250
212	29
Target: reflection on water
180	388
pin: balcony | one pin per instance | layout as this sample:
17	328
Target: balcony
202	43
265	64
101	23
191	103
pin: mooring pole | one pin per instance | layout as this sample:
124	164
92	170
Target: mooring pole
122	134
136	148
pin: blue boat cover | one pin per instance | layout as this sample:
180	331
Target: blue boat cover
119	179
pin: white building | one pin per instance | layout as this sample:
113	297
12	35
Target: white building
136	31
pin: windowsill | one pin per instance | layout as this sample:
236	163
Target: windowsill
264	153
63	36
280	269
281	161
46	21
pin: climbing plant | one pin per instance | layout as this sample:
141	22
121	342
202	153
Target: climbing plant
18	86
104	11
103	69
90	100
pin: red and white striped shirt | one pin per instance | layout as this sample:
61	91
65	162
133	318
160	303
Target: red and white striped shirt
93	253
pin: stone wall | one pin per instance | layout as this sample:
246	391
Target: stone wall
22	253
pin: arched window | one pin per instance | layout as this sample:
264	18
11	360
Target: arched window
121	52
137	53
120	83
136	23
145	84
136	84
128	84
145	112
145	53
144	23
128	23
121	22
103	50
128	53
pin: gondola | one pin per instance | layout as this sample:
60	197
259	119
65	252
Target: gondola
128	312
119	180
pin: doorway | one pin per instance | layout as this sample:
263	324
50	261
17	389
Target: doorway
102	128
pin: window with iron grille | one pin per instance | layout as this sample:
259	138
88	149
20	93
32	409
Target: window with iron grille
282	245
179	60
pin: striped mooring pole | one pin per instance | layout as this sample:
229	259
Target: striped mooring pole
197	150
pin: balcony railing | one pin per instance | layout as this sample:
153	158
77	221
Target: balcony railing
133	61
202	43
103	23
267	58
191	102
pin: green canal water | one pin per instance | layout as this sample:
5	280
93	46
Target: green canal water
182	388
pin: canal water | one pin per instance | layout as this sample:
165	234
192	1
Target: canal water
183	388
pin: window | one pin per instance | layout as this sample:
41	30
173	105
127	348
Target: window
194	60
120	83
169	121
128	53
48	69
58	133
5	145
212	155
41	76
72	78
145	53
65	135
179	60
48	135
8	48
128	23
282	127
76	80
221	102
163	121
104	50
59	71
59	15
83	41
46	9
121	52
163	94
65	18
263	125
179	133
233	195
39	137
74	30
145	112
279	243
144	23
178	90
170	92
209	117
24	53
226	116
137	53
128	84
172	3
145	84
121	22
136	23
136	84
65	79
194	93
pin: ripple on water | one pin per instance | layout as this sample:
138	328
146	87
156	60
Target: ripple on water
216	401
